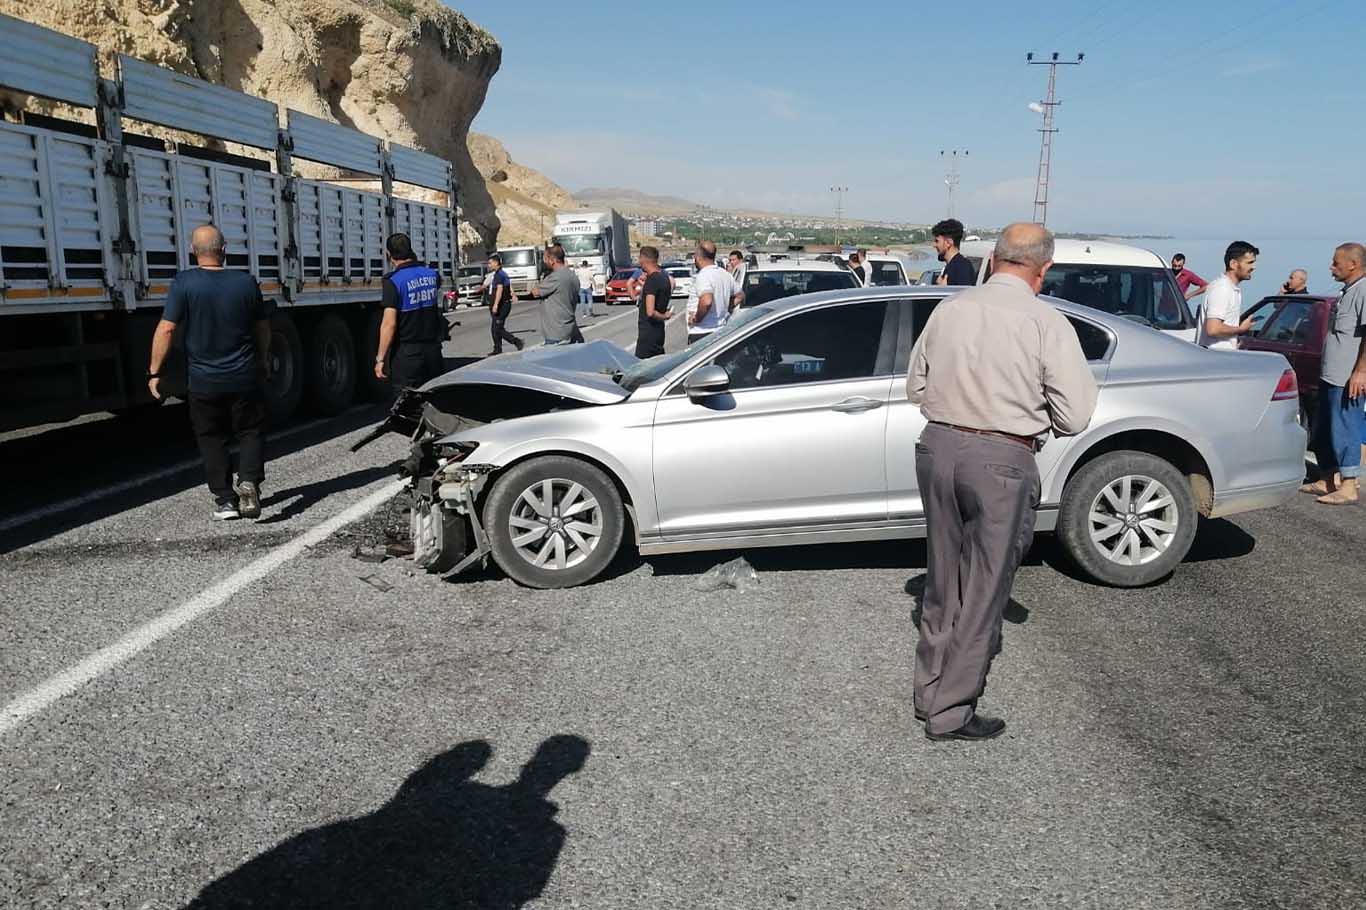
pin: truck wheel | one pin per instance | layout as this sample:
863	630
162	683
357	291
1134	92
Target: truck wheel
1127	519
331	366
368	388
286	385
554	522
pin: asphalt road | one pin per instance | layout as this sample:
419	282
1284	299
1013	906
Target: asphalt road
269	721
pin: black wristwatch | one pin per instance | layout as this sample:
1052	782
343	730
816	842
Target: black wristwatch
151	375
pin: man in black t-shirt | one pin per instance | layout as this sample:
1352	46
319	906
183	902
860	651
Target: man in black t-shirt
226	327
948	236
653	305
412	318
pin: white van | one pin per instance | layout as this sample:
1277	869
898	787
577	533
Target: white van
1127	281
523	265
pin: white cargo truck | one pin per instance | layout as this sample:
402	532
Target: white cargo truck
95	222
602	239
523	265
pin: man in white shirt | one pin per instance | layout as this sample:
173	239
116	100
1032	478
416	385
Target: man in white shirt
714	294
1221	315
585	275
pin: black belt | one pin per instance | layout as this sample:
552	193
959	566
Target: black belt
1031	443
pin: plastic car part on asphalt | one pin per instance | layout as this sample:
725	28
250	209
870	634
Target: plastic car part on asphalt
737	574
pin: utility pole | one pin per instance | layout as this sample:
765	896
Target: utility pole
839	192
1047	108
951	177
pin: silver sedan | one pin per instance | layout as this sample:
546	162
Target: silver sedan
791	426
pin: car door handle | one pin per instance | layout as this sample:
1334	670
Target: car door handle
855	405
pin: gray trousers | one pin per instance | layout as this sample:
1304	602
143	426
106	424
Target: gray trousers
980	494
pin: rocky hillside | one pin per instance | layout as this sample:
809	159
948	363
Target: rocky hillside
414	71
526	199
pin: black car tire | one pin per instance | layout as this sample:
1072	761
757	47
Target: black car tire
506	495
1084	490
332	366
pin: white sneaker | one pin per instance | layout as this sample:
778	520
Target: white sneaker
226	511
248	500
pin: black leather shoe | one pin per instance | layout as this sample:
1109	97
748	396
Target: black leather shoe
980	727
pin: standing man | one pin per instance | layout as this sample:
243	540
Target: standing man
948	237
412	328
653	304
1220	318
227	338
867	268
558	291
860	272
1297	283
714	292
993	371
1342	384
735	264
585	275
1187	282
500	306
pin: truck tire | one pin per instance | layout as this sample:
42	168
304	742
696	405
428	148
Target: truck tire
368	387
331	366
286	385
573	506
1127	519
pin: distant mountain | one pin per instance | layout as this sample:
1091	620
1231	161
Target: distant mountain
626	200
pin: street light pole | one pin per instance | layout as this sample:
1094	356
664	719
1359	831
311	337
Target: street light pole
839	192
951	177
1047	107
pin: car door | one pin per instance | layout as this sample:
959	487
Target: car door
797	441
1292	330
905	422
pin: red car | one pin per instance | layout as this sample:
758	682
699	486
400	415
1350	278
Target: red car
620	287
1294	325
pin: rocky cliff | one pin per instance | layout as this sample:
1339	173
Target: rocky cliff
414	71
526	199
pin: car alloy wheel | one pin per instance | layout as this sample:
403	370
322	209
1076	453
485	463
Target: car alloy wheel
1133	520
555	524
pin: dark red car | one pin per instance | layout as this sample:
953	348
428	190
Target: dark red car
621	285
1294	325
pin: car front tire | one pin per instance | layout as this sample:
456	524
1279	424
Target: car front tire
1127	519
554	522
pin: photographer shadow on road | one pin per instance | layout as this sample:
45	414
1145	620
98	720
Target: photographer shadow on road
443	840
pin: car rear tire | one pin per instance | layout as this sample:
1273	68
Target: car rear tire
331	366
285	387
1127	519
554	522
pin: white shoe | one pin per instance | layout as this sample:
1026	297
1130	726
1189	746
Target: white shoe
226	511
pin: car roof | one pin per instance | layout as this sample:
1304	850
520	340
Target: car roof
1074	252
796	265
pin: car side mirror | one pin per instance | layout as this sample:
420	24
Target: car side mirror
706	382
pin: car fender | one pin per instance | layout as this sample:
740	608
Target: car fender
1055	482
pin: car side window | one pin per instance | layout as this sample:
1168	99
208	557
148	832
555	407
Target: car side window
824	345
1095	341
1259	315
912	317
1291	324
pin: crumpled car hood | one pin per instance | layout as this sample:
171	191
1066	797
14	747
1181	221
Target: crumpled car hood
582	372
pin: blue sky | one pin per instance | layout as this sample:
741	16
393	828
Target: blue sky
1186	118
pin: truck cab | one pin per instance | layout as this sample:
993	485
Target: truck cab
599	238
523	266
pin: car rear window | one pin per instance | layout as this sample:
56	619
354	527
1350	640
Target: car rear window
887	274
1145	295
1095	341
773	284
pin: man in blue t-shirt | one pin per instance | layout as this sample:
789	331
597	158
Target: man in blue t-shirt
226	328
412	328
499	301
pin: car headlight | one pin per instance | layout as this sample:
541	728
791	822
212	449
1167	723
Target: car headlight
454	452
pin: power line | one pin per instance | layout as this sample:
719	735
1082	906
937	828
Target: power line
951	176
839	192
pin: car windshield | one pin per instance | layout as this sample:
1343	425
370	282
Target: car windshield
471	271
1145	295
517	258
580	244
775	284
648	371
680	273
624	274
887	274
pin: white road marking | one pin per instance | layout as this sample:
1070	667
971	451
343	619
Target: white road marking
75	502
44	695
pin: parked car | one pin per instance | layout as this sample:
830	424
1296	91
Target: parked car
469	287
928	277
889	269
1294	326
621	287
1114	278
682	279
537	459
770	279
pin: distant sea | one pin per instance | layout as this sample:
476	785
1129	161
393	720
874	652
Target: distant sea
1280	253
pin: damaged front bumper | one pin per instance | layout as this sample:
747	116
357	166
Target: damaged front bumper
447	534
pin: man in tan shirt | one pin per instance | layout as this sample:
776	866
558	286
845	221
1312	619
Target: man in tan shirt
994	371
